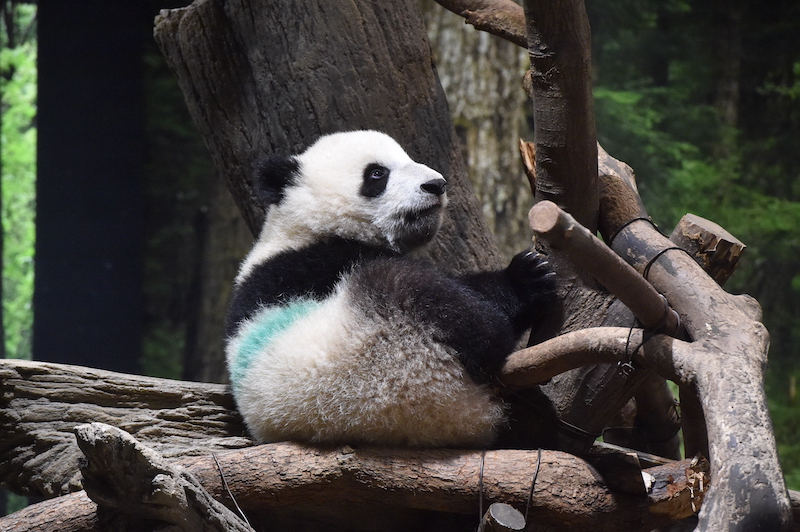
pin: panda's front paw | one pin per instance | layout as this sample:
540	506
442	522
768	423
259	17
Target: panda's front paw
532	278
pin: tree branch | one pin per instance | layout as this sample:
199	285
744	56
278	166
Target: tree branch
598	345
586	251
286	474
502	18
724	366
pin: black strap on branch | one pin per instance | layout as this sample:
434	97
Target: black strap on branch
533	484
652	261
629	222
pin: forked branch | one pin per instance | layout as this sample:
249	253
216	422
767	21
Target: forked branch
724	366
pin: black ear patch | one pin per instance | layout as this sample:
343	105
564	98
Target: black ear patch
374	181
273	174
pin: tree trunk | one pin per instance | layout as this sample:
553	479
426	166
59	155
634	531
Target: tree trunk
729	54
560	85
212	42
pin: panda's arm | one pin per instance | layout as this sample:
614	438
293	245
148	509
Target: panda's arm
525	291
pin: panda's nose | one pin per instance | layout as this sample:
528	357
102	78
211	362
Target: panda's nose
434	186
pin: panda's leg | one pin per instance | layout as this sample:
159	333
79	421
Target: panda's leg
477	327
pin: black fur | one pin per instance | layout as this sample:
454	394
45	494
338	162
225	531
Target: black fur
312	270
273	174
525	290
481	316
374	182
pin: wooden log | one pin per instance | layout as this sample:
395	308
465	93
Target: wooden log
501	517
585	250
748	490
568	492
77	513
41	404
597	345
724	366
715	249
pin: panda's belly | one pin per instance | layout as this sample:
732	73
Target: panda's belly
343	374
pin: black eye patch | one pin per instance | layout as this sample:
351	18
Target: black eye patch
375	179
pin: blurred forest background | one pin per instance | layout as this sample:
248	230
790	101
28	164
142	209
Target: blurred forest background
120	244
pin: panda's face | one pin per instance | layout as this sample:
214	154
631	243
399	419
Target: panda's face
361	185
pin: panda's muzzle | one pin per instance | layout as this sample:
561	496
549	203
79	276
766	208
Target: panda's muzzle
422	214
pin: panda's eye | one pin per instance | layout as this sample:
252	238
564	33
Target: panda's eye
375	179
379	173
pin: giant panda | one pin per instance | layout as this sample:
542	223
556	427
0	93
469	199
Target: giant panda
335	336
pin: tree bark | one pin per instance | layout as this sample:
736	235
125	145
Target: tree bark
560	85
501	18
286	475
748	490
135	488
42	403
724	366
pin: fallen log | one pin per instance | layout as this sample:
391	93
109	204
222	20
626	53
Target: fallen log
42	403
567	492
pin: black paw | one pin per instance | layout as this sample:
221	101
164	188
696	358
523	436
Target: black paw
532	278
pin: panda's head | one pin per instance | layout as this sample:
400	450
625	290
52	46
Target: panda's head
357	185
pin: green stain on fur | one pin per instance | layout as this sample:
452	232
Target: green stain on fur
263	329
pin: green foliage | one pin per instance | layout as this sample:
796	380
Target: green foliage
18	158
659	75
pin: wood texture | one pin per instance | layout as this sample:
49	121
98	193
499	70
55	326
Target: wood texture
715	249
502	18
568	494
724	366
42	403
135	488
585	250
560	87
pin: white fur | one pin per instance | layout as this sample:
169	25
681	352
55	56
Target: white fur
326	199
341	376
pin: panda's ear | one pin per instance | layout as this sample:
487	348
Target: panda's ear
273	174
